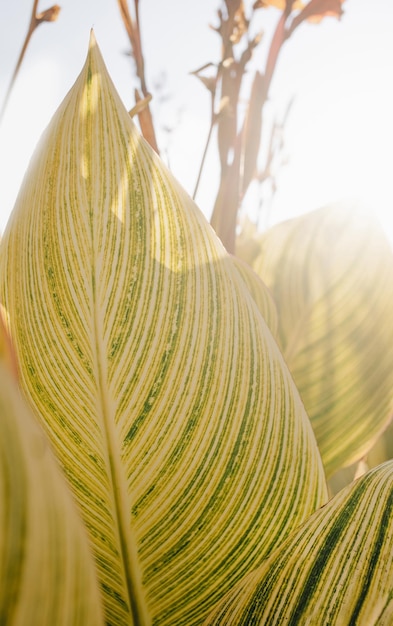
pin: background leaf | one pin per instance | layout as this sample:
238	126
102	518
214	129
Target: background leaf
47	571
336	569
331	275
260	293
165	396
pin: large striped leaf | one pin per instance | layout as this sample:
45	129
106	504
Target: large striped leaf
158	381
47	571
331	275
336	569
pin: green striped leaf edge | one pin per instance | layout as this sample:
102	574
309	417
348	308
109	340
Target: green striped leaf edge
331	275
47	570
336	569
166	398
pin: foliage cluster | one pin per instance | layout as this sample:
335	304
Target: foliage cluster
175	420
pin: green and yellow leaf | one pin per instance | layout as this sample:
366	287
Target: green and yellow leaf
47	571
261	294
331	276
166	398
336	569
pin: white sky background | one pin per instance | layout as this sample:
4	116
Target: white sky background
339	136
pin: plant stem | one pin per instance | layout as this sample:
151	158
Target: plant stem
134	35
32	26
212	122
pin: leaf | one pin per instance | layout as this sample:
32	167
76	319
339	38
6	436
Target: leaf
47	571
336	569
49	15
208	81
141	104
331	275
260	294
165	396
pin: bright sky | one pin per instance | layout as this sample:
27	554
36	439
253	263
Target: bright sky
339	135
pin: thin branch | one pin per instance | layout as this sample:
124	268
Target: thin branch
49	15
211	85
139	44
134	35
212	123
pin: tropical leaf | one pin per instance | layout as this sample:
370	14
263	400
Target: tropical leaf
165	396
331	276
47	571
336	569
260	293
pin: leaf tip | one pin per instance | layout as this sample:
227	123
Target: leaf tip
92	41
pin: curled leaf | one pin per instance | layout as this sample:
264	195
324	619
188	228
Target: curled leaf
316	10
140	105
146	120
260	293
49	15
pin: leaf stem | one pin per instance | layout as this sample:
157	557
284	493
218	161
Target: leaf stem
209	135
